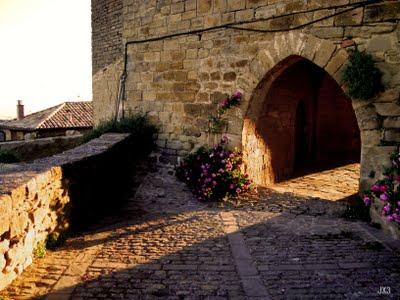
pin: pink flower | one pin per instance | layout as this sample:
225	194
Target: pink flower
225	139
367	200
396	218
384	197
238	94
383	188
238	190
232	186
386	209
375	188
390	218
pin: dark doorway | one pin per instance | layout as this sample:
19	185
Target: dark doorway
305	124
301	137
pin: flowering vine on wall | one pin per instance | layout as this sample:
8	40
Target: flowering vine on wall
218	122
215	173
387	191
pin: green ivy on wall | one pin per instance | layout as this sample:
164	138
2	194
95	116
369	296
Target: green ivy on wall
361	77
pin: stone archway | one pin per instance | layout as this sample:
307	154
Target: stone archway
269	132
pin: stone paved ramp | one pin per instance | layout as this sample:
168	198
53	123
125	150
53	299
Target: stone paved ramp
168	246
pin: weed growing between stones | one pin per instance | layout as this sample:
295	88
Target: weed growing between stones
387	191
40	251
215	173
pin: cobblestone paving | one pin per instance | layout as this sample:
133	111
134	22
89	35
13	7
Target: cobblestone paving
267	245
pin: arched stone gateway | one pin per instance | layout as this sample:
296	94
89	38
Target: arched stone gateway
298	116
178	81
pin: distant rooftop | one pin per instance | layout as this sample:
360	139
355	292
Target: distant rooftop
64	115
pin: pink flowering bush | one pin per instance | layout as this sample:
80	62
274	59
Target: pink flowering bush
387	190
217	122
214	173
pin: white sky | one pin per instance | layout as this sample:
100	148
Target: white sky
45	53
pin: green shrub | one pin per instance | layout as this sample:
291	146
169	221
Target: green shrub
214	173
361	77
8	157
136	125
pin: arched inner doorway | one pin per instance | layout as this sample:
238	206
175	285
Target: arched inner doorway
299	121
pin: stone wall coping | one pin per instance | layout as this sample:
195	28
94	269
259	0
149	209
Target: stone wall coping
30	150
13	176
12	144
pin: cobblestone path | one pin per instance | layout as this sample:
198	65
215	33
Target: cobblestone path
269	245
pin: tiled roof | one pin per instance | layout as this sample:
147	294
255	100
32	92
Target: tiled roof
65	115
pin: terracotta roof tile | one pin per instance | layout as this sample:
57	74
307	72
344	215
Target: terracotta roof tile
65	115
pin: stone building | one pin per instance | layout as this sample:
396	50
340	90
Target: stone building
64	119
183	57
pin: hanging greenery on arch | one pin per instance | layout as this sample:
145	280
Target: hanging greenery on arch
361	77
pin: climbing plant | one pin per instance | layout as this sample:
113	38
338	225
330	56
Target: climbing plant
361	77
387	190
217	122
214	173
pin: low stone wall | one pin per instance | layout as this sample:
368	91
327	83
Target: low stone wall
39	198
34	149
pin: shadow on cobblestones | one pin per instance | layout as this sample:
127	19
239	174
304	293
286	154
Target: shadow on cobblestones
80	243
185	257
168	246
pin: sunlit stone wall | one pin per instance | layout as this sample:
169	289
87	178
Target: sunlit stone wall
35	199
178	81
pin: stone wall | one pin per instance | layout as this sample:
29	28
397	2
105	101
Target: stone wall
38	148
179	81
107	53
39	198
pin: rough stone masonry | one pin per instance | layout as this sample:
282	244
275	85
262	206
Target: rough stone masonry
178	81
37	199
